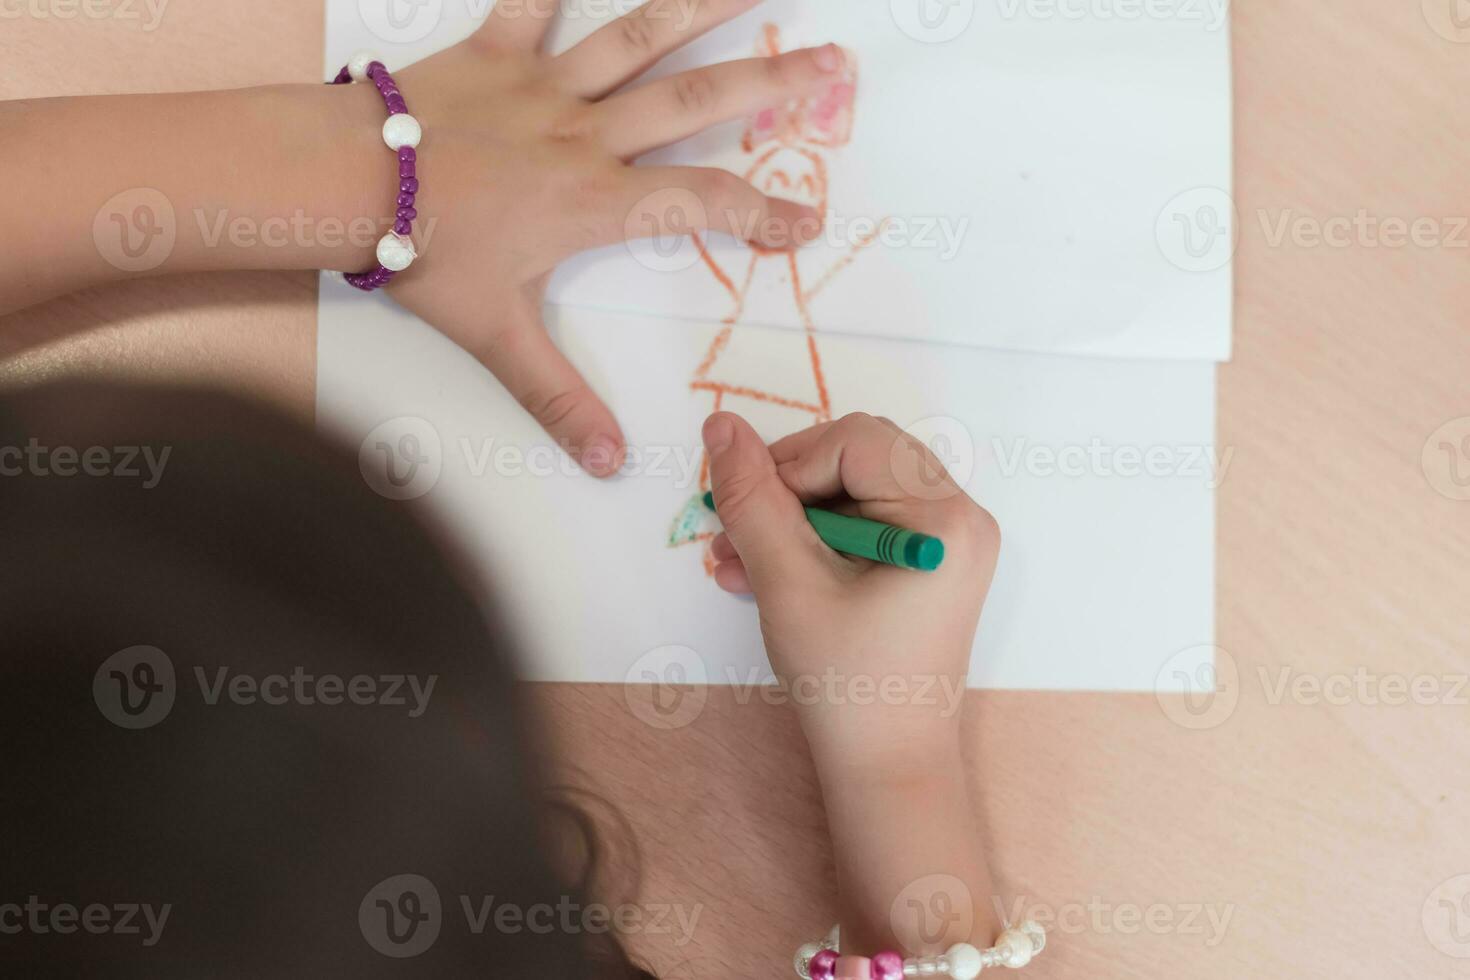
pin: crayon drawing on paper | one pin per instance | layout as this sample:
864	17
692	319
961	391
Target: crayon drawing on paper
788	149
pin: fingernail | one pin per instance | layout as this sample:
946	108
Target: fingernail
828	57
719	432
599	456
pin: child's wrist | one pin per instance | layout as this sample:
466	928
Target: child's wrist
347	178
309	182
859	746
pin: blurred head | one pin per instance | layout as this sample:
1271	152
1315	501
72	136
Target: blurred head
255	723
791	173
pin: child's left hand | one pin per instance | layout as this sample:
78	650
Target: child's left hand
526	162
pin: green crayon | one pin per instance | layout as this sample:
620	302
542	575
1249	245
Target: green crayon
872	540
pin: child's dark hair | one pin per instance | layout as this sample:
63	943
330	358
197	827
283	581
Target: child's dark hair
308	826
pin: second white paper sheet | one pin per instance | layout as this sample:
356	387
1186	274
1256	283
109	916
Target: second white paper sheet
1100	473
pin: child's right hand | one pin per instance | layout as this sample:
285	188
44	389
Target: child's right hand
843	626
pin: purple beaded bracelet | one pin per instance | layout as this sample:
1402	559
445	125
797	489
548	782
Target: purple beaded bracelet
402	133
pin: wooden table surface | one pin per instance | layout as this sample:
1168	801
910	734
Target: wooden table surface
1289	832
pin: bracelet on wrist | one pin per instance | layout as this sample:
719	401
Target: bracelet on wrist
402	133
1015	948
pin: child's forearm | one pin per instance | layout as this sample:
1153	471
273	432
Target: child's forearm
911	874
526	161
105	188
910	869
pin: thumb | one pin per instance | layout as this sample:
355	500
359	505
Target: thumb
762	517
526	360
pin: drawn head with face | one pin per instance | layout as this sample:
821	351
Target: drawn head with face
789	142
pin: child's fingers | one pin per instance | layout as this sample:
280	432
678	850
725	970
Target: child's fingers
721	549
730	573
789	448
672	109
520	25
794	445
541	378
633	43
732	577
864	458
874	467
671	201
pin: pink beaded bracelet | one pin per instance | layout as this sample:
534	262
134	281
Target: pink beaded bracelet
1015	948
402	133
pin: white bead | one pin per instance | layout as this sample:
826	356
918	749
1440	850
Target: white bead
1015	947
964	961
395	252
402	130
358	66
1037	934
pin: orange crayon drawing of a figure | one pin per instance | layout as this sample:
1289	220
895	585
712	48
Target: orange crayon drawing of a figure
789	147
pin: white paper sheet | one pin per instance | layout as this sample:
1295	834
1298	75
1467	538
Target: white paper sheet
1054	174
1106	572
